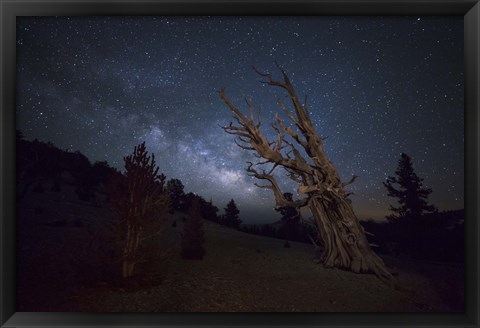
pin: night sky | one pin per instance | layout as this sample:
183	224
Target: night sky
376	86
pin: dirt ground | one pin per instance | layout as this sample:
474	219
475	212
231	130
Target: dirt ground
239	273
247	273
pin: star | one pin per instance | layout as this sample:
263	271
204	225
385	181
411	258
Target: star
376	87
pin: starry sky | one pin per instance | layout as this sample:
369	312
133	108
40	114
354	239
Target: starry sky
376	86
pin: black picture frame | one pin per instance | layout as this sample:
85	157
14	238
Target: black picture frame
9	10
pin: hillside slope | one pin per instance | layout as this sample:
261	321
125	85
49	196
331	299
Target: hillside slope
247	273
63	265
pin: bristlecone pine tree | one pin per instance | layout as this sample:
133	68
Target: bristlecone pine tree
141	202
193	237
343	238
408	188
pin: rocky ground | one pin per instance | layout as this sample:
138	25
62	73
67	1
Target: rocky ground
58	238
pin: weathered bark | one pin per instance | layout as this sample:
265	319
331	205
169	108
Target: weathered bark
130	251
343	238
344	242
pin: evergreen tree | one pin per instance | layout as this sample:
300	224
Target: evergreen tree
408	188
208	210
177	195
231	218
290	219
193	237
188	200
140	201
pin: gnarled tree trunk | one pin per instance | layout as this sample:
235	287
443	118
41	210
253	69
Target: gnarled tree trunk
343	238
344	242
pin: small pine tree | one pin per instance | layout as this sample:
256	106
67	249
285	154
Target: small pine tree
208	210
188	200
177	195
290	219
193	237
140	201
231	218
412	195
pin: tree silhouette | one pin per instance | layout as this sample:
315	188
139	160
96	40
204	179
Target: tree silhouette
409	226
343	238
177	195
290	219
408	188
193	237
141	202
188	200
231	219
208	210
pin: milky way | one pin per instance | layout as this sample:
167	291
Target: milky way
376	86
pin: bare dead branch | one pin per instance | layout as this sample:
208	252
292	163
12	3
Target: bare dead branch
236	132
250	109
263	162
235	110
290	115
242	146
272	169
289	131
281	201
260	186
260	73
354	177
244	140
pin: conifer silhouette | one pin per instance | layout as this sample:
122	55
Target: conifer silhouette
141	202
231	218
408	188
